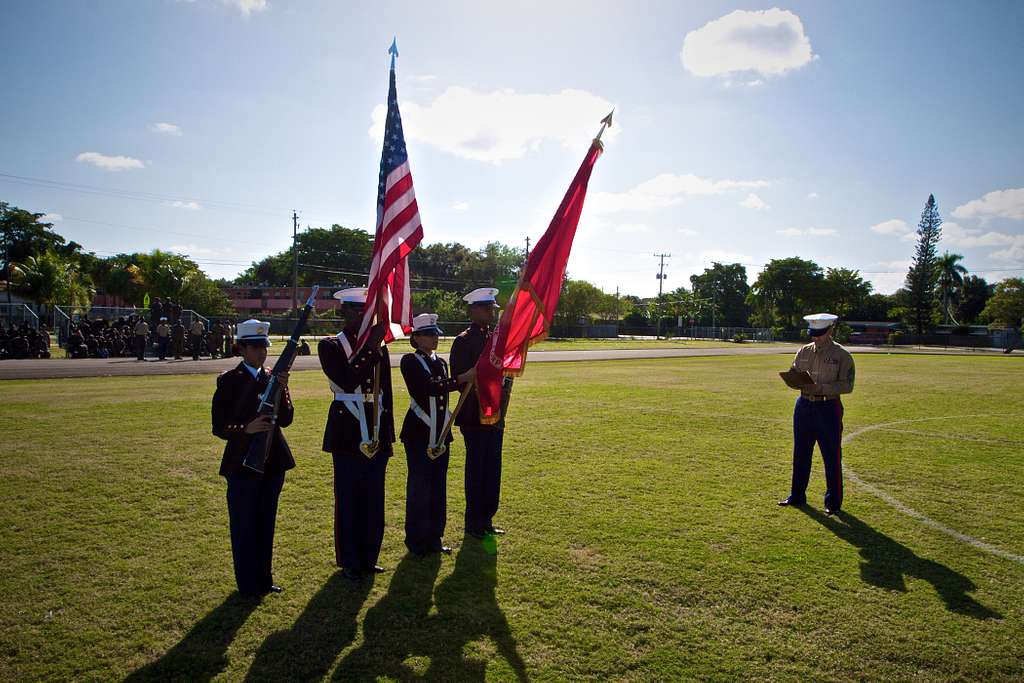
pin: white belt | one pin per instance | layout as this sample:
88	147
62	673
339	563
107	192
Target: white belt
431	419
358	398
354	403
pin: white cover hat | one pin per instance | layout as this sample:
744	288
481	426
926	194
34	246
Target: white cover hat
481	295
254	331
352	295
819	322
426	322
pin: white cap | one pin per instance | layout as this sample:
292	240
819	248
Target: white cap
819	322
426	322
163	318
352	295
482	295
253	331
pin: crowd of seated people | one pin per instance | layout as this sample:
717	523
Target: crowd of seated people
24	341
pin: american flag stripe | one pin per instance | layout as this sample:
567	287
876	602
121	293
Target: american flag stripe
398	232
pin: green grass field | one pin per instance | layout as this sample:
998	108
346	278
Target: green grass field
644	541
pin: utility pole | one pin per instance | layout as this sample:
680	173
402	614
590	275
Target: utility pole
661	279
661	270
295	259
527	250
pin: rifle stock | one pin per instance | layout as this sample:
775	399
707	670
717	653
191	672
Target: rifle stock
270	399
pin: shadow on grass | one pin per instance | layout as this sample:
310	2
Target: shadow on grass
200	654
402	640
886	562
308	649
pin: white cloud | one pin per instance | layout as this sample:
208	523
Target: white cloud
50	218
500	125
110	163
247	7
887	276
1014	253
768	42
460	206
897	228
425	78
665	190
807	232
754	202
189	205
166	129
687	232
632	227
953	235
812	195
720	256
999	204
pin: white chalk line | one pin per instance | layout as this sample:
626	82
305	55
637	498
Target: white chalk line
911	512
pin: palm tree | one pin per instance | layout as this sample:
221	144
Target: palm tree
50	279
950	275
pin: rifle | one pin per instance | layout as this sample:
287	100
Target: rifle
270	399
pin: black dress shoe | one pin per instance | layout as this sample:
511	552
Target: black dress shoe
375	569
477	534
446	549
351	574
787	501
830	511
496	530
274	588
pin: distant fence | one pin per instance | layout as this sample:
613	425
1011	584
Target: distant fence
16	314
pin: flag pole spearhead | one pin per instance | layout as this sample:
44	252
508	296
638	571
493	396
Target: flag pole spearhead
393	51
605	123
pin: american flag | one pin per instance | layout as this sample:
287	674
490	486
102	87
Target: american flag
398	230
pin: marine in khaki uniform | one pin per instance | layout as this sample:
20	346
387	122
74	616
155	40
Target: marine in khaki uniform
818	414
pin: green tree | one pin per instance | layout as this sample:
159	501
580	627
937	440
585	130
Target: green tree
785	291
975	294
845	291
578	301
1006	306
874	307
49	278
950	278
726	286
449	306
922	277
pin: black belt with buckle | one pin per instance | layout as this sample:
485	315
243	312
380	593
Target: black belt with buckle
821	398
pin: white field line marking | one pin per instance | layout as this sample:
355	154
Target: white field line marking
911	512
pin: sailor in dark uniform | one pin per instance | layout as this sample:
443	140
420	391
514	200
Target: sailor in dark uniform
483	442
358	437
252	497
426	377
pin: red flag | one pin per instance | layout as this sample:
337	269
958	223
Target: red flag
527	318
398	231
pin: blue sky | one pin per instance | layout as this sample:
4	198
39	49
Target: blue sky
809	129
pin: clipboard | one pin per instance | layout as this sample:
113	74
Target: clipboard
796	379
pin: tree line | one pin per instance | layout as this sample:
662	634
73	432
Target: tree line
48	269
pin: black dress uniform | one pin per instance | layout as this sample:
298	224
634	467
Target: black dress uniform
426	377
358	479
252	497
483	442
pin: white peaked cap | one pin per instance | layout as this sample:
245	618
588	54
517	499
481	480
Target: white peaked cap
481	295
352	295
425	322
820	321
253	330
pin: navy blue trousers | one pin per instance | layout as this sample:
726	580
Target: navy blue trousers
483	476
252	512
818	422
358	509
426	506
